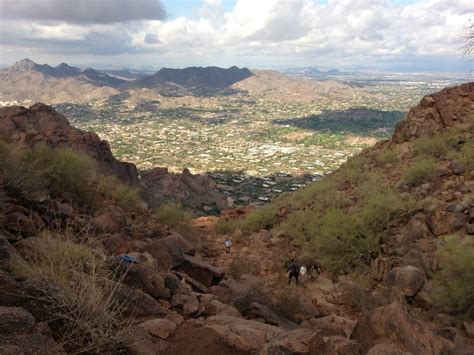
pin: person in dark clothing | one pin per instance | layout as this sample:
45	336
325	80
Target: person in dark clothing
293	270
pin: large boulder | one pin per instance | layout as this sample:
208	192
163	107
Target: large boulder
169	252
408	279
201	271
392	324
222	335
161	328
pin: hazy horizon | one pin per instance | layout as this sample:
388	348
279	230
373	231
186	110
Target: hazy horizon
379	35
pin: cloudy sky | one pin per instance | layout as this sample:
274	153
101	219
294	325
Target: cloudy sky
409	35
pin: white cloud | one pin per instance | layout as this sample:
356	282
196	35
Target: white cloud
339	30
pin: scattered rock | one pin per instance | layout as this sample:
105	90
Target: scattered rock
408	279
439	222
111	219
294	342
189	304
161	328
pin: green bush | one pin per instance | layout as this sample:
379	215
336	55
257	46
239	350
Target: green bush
126	197
387	157
354	170
420	171
454	283
173	215
435	146
62	172
263	217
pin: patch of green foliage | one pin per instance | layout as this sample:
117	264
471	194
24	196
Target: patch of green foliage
173	215
420	171
126	197
261	218
387	156
454	283
436	146
62	173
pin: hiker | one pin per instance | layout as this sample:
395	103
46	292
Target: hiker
293	270
314	268
303	270
228	244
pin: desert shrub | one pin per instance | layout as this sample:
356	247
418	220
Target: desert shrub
387	157
288	303
454	283
342	238
380	208
436	146
354	170
464	154
241	265
173	215
263	217
255	293
62	172
126	197
75	281
420	171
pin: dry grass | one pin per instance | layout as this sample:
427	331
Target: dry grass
79	288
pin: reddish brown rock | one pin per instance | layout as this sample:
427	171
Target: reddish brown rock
436	112
203	272
195	191
440	222
391	324
408	279
169	252
42	124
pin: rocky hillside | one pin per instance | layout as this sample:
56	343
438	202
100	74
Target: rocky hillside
41	124
391	229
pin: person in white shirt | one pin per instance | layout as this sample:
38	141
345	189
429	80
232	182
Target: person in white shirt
228	244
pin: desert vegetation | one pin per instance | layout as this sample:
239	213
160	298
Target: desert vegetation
73	278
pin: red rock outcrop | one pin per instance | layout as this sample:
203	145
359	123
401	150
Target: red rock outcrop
195	191
42	124
435	112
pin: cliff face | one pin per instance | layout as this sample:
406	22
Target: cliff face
42	124
446	108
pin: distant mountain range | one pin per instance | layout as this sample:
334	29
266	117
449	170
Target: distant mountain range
27	80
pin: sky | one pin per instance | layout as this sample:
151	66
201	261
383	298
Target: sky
395	35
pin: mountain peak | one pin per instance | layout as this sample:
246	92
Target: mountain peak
24	65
